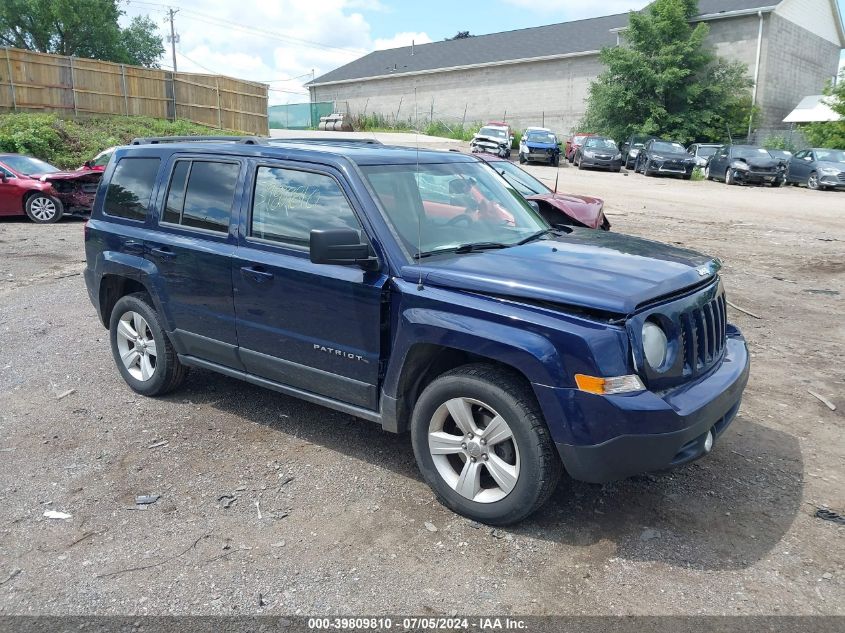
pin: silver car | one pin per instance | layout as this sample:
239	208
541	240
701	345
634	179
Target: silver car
817	168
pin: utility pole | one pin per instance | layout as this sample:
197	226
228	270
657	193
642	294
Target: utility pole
173	39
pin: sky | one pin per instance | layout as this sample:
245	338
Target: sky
281	42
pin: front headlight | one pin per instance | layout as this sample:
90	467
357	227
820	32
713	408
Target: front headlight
655	345
618	156
829	171
739	165
634	153
658	157
588	153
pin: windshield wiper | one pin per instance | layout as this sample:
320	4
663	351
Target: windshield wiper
536	236
471	247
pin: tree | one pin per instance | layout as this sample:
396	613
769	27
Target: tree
460	35
83	28
664	81
830	134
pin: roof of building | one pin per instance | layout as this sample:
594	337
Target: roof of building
813	109
579	37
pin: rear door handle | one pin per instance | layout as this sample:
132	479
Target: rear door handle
257	273
163	251
131	246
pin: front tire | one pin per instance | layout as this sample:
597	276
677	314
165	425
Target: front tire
482	445
521	158
813	182
729	177
141	349
42	208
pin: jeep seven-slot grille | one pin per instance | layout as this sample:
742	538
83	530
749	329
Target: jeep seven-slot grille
704	335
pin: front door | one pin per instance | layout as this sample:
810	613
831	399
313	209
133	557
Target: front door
314	327
192	250
11	198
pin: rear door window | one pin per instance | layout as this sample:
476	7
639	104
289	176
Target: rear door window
130	189
201	194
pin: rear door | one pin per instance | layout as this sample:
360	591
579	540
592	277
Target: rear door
192	249
315	327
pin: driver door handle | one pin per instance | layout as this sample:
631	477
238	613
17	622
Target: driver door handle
258	274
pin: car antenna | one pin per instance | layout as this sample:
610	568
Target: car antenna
420	286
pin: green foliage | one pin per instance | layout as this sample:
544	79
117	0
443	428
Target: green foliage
382	123
84	28
780	142
665	81
831	134
517	137
697	174
69	143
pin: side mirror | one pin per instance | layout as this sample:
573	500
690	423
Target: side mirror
534	205
340	246
458	186
89	164
808	158
3	177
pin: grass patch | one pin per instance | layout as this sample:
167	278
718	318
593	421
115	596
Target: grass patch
697	174
68	143
381	123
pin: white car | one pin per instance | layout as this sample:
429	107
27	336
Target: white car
493	139
702	152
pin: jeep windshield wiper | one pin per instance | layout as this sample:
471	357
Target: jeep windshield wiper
471	247
535	236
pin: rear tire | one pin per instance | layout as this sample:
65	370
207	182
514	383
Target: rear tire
500	482
42	208
141	349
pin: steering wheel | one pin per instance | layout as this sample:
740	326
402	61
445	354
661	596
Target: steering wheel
464	217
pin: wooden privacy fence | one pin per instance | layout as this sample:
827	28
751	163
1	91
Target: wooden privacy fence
78	86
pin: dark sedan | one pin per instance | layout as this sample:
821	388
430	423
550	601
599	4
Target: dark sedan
745	164
598	152
665	158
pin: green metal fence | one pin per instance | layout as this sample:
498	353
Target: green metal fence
298	116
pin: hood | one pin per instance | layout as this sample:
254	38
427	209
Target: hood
489	139
80	174
673	155
584	209
540	145
759	163
594	270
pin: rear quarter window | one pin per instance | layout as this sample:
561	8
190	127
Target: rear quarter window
131	187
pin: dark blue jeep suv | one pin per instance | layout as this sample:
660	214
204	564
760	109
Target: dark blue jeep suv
418	290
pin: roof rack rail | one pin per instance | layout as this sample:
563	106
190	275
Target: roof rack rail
327	139
156	140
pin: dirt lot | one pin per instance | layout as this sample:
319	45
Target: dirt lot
343	509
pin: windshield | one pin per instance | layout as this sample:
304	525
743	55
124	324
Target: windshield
705	151
541	137
667	147
434	207
521	180
27	165
600	143
831	155
492	131
751	152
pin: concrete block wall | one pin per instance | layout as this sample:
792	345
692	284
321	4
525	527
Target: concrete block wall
551	92
798	64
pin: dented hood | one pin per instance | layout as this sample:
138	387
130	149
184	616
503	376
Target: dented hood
85	175
594	270
584	209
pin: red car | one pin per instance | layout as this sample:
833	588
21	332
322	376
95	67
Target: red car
576	210
29	186
573	143
100	161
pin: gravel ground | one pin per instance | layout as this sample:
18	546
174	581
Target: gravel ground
327	514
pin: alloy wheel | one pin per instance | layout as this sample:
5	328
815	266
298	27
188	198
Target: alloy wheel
813	181
136	346
473	449
43	209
